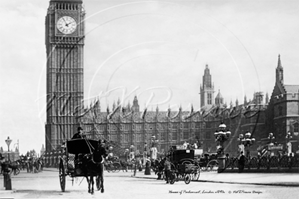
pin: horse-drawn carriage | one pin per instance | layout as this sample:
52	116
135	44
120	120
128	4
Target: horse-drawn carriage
81	158
184	165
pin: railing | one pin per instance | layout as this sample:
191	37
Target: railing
274	163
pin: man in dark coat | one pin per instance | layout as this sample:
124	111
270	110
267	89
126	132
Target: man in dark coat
79	133
77	162
241	162
2	163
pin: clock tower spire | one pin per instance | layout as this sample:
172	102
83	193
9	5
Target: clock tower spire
206	89
64	48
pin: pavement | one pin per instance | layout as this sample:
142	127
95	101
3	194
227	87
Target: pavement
123	185
271	179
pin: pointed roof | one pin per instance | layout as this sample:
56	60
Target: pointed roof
245	99
279	66
206	70
157	109
135	100
219	96
128	105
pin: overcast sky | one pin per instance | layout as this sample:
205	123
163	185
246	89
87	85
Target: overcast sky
156	50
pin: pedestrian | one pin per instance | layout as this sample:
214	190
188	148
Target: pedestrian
147	166
136	164
167	166
241	162
195	146
2	161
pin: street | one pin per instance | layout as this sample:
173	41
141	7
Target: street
122	185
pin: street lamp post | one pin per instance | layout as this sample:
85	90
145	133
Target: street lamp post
8	141
288	143
221	136
246	141
271	137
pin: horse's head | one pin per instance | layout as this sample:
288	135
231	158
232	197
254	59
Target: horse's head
99	154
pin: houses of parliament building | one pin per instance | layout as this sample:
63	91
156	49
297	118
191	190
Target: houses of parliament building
129	125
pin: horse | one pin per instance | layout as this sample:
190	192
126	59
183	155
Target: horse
158	167
15	167
93	167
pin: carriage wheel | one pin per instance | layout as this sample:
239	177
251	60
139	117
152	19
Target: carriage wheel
187	178
212	165
196	174
62	176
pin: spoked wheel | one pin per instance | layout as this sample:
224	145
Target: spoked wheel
196	174
187	178
212	165
62	176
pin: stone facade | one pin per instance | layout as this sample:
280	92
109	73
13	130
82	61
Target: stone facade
129	126
283	110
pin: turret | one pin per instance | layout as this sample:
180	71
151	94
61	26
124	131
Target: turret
279	71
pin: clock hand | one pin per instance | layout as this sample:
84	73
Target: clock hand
64	20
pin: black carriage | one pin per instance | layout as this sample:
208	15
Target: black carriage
71	166
184	166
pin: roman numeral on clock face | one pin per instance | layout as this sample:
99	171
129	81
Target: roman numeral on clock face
66	25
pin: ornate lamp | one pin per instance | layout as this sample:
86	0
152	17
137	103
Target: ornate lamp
8	142
271	137
221	135
246	141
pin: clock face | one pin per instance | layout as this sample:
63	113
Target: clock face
66	25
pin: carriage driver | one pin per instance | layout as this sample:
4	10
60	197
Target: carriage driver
79	133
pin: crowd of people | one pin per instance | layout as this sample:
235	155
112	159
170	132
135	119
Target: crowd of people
30	164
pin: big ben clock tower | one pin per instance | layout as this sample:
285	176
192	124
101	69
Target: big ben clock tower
64	46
